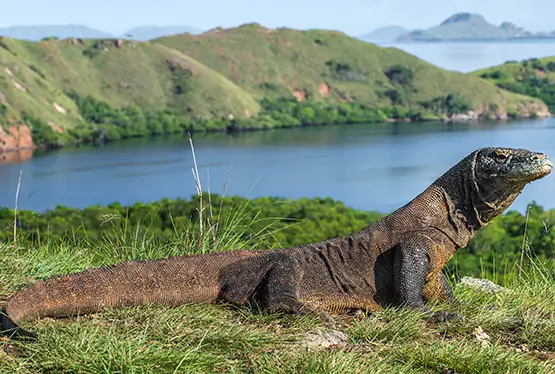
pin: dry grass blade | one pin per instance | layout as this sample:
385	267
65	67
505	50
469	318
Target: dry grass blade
15	209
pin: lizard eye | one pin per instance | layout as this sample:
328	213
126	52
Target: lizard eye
499	157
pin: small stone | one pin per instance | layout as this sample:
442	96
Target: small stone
483	285
481	336
324	339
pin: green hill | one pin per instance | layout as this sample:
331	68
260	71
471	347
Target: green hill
57	92
533	77
327	65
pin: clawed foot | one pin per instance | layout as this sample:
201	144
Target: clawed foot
443	316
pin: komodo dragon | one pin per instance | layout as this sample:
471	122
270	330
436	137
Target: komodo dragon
395	261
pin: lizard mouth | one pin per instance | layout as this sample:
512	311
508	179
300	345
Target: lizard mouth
542	170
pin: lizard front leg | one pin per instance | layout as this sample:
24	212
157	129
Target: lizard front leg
412	282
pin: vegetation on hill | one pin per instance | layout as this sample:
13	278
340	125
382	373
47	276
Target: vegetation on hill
505	332
328	66
74	90
533	77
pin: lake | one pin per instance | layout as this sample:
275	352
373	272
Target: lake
470	56
371	167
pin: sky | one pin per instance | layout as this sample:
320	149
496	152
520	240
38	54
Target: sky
354	17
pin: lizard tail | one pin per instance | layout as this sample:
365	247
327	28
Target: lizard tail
169	282
11	329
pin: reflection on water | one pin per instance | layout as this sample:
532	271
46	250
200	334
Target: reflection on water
372	167
16	157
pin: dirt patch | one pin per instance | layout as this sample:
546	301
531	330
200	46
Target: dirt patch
284	43
17	137
8	71
175	63
324	89
55	126
300	94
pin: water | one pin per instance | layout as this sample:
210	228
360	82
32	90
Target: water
470	56
370	167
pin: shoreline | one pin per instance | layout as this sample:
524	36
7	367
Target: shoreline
469	117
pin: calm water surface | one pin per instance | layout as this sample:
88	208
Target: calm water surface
371	167
470	56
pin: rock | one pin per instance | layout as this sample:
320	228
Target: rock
15	137
324	339
464	117
59	108
483	285
481	336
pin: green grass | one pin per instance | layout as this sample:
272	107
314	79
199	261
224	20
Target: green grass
218	338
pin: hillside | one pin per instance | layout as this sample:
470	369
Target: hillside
533	77
250	77
328	65
385	34
36	77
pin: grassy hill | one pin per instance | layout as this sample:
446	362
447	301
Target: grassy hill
326	65
63	91
533	77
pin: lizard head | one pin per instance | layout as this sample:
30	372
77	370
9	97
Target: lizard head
507	166
500	175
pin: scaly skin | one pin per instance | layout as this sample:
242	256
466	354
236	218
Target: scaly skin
396	261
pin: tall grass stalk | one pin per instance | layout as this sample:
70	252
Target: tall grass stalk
15	209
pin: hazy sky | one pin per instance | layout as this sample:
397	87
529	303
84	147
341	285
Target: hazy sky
351	16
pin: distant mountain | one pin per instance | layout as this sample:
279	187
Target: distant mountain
38	32
153	32
385	34
470	26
